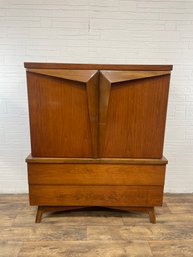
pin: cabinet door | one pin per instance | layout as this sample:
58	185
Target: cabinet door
63	107
132	113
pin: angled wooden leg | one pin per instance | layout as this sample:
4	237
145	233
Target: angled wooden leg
44	209
149	210
39	214
152	216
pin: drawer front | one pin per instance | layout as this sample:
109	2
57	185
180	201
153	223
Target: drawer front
56	195
95	174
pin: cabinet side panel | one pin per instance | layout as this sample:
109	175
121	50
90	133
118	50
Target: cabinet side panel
59	118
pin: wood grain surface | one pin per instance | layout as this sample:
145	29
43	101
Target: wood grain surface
96	174
122	76
97	66
62	195
59	117
97	113
133	120
73	75
139	161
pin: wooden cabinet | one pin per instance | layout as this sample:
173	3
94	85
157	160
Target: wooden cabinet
97	134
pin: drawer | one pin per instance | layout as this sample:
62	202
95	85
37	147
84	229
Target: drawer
95	174
60	195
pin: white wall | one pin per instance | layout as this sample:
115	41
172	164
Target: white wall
95	31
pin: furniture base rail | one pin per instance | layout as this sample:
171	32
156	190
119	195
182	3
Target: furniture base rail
45	209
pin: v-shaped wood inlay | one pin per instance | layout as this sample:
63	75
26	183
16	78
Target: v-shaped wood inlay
74	75
104	89
93	98
121	76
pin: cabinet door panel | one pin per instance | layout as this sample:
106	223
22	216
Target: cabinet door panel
132	113
63	106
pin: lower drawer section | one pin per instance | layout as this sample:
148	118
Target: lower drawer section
95	174
59	195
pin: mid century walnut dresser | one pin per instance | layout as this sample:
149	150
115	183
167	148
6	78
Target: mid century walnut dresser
97	134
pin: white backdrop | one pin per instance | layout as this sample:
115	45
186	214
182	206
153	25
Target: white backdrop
95	31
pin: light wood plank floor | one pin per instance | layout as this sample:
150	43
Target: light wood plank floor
96	232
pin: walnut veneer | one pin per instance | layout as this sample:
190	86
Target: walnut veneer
97	134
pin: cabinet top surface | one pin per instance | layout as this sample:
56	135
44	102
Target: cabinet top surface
141	67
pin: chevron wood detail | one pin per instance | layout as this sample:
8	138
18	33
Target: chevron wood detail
93	98
104	94
121	76
74	75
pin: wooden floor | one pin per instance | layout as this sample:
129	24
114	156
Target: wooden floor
96	232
